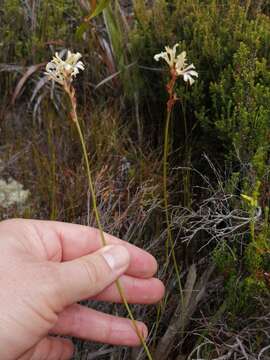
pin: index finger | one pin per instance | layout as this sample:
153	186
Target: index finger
73	241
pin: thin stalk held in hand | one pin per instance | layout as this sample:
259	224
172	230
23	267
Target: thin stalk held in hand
62	72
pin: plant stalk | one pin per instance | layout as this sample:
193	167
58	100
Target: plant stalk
71	93
169	239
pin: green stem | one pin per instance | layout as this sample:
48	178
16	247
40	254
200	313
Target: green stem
186	172
252	225
165	191
96	212
169	239
53	211
90	183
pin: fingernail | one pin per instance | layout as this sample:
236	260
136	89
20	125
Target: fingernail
117	257
145	332
143	329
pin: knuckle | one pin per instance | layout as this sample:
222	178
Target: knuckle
55	286
92	271
77	316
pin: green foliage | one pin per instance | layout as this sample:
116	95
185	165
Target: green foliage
246	275
242	294
99	8
26	32
241	110
228	43
225	258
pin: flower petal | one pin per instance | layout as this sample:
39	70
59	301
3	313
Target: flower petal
63	70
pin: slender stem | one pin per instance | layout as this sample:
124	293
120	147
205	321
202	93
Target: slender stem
165	190
122	295
252	225
52	173
90	182
169	239
186	172
74	116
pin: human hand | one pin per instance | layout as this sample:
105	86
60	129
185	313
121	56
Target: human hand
46	267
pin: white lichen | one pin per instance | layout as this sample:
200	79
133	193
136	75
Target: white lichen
12	193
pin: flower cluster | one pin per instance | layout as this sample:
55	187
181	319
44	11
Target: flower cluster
178	63
61	70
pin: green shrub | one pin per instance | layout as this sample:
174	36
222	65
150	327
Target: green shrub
27	31
228	43
225	258
246	271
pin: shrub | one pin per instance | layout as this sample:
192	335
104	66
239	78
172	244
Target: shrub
228	44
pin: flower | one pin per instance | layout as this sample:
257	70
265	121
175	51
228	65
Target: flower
178	63
168	55
61	70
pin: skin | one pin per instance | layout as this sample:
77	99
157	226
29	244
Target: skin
46	267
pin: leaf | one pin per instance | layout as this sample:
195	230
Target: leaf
99	8
96	10
81	29
19	87
41	82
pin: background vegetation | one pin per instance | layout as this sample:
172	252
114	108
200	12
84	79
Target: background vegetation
219	149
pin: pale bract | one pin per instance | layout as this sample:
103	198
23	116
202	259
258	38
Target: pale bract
61	70
178	63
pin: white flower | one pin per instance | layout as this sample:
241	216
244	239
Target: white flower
178	63
187	74
61	70
168	55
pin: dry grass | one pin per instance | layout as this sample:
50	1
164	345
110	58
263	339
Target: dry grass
128	182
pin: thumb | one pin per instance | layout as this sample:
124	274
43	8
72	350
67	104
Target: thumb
89	275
